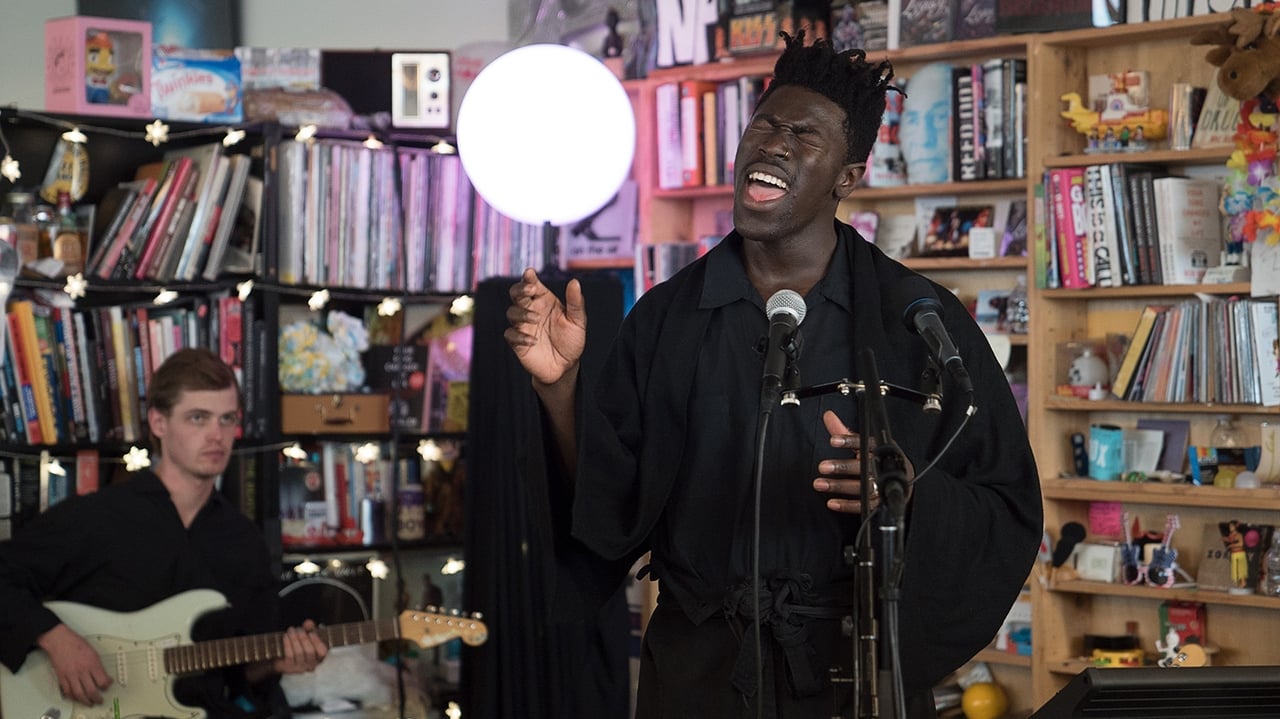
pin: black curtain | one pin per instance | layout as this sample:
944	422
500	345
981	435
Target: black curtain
532	666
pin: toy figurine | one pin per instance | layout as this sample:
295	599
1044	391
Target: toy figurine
1118	122
99	68
613	40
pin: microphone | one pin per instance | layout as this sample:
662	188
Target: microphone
922	314
786	310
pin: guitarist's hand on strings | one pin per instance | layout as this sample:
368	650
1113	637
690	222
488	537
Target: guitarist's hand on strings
303	650
77	665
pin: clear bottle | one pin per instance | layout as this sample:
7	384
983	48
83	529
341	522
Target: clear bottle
1226	433
1017	311
21	208
1269	584
69	239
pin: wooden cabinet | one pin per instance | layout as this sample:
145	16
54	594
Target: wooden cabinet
1241	628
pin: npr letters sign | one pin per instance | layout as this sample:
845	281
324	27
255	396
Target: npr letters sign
682	31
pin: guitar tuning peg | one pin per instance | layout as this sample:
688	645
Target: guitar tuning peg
477	616
455	612
433	609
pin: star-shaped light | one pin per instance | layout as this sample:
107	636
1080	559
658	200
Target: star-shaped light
429	450
294	451
318	300
388	307
234	136
306	132
454	711
453	566
444	148
136	459
307	566
243	289
55	467
157	133
373	143
377	568
74	135
367	453
165	297
76	286
9	168
462	306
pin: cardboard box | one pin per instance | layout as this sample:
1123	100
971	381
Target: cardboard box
196	85
97	66
335	413
1097	562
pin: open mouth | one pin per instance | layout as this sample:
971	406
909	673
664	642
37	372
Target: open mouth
765	187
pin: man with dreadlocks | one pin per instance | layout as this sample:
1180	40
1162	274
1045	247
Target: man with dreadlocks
658	455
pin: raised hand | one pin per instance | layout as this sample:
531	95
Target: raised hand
548	336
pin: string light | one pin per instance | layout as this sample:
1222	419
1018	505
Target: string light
165	297
318	300
429	450
389	307
378	569
241	451
453	565
243	289
233	137
454	711
74	135
76	286
307	566
157	133
305	133
462	306
137	459
295	452
442	147
9	167
373	143
367	453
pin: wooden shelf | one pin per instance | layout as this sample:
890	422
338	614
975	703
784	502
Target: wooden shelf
1097	293
995	656
934	264
1196	156
1075	404
1177	595
1159	493
977	187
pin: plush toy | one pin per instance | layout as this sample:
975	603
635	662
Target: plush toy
1247	54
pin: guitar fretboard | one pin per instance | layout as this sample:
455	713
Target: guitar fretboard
217	653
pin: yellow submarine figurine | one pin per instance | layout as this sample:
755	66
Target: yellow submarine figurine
1120	119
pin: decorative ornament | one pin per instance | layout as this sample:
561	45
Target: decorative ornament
388	307
429	450
373	143
243	289
454	711
74	135
157	133
294	451
305	133
443	147
136	459
378	569
234	136
165	297
76	286
9	168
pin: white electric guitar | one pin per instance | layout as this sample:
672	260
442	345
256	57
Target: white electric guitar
144	651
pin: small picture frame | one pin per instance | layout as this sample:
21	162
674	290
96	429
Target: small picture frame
420	90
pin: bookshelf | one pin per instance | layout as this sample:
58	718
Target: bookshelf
1240	628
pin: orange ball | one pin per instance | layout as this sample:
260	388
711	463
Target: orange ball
984	700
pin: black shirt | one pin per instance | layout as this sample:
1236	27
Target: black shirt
123	549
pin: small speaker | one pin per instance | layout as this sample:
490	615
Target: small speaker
412	86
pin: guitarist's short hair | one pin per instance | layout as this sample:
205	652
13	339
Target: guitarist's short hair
193	369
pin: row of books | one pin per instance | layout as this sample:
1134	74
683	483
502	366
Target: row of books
30	485
80	375
658	262
1219	350
698	126
988	128
338	225
177	218
1127	224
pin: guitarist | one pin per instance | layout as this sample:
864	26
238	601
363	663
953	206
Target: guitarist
158	533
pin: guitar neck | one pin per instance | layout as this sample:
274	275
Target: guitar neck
218	653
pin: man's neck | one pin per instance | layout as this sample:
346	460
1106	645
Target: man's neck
189	494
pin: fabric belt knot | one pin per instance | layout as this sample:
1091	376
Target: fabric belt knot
787	602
